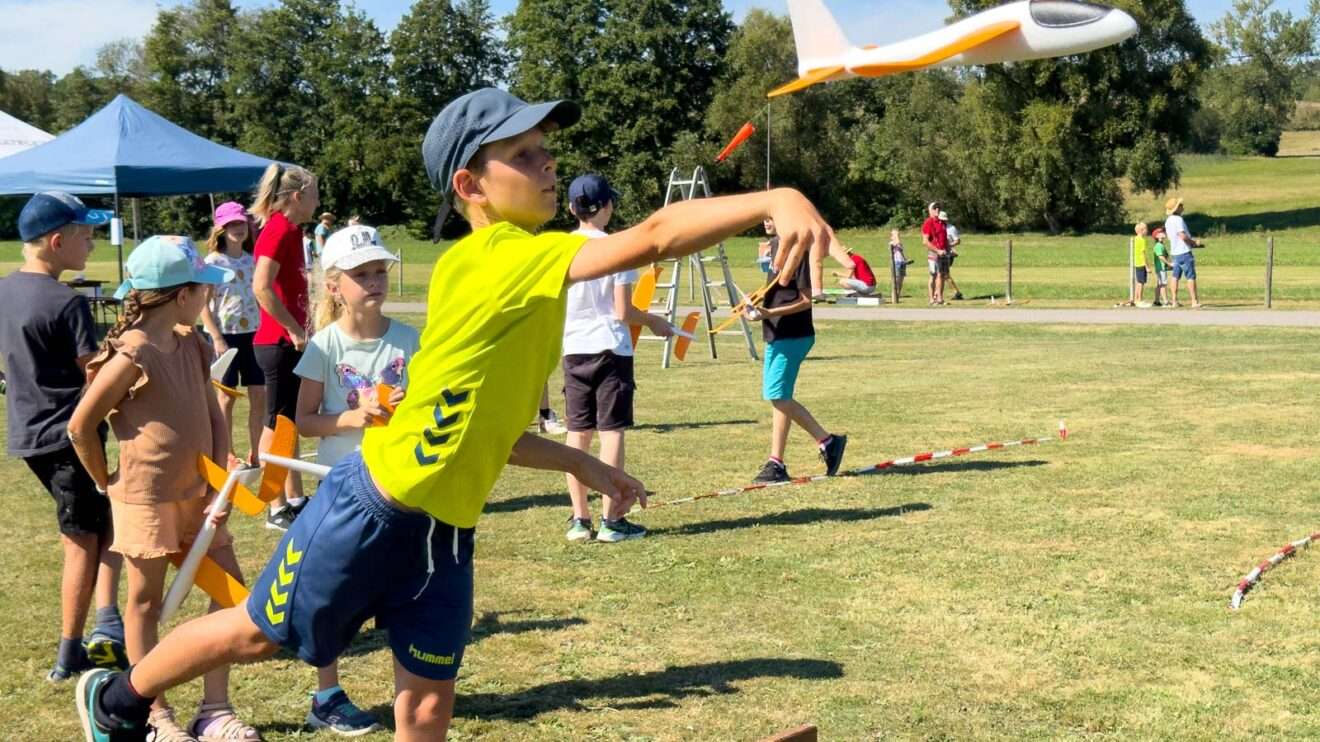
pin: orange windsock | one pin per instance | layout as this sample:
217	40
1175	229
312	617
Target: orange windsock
743	135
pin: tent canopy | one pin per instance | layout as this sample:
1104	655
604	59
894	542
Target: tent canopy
129	150
16	136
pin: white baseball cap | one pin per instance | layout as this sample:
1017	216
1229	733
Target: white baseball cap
352	246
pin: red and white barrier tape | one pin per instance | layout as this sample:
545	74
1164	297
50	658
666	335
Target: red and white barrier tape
1254	575
919	458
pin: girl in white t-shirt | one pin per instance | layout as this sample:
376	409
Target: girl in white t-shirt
231	317
355	350
598	364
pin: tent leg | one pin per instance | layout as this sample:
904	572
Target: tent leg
137	218
119	244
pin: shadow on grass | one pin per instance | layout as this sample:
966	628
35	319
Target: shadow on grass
528	502
791	518
650	690
1204	224
491	623
670	427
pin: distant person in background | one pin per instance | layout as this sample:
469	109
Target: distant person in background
286	197
955	239
325	225
1141	264
1180	248
936	238
860	280
900	260
354	220
766	247
231	317
1163	266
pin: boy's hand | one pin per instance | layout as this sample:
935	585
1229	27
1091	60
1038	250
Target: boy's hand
368	411
616	483
799	227
659	326
397	395
220	516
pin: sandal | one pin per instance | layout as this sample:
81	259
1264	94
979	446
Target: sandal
165	728
217	722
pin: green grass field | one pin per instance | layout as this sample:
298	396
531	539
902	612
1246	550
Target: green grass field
1074	590
1233	203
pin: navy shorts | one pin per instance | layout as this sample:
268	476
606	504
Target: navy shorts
351	556
1140	274
244	370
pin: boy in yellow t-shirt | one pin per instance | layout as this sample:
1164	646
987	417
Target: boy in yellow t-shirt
390	531
1141	264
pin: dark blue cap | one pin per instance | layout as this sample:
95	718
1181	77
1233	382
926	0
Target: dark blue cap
589	193
48	211
481	117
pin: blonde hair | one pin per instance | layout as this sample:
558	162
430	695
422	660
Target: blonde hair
278	183
215	242
1141	227
327	309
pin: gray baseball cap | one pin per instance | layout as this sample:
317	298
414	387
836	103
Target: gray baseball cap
481	117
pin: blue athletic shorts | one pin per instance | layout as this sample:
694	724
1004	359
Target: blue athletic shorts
350	556
783	358
1184	266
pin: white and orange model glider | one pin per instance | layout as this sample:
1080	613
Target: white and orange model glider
1029	29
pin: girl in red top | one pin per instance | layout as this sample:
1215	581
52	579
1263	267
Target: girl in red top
286	198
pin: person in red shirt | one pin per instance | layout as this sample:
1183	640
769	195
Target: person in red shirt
286	198
859	279
936	238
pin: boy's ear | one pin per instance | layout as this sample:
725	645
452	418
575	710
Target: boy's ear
468	188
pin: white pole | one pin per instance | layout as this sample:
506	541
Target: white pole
306	467
1132	271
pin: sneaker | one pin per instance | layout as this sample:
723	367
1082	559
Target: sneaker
217	722
341	716
279	520
296	507
820	298
551	425
958	296
165	728
579	529
59	673
832	453
612	531
88	694
773	471
106	652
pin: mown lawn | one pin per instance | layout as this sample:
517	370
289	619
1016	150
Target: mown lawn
1077	589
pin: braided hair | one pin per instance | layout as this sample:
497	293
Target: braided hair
137	303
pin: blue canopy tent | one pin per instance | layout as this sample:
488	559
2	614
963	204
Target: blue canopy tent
127	150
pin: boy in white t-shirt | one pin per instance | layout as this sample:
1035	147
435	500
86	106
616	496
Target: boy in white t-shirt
598	364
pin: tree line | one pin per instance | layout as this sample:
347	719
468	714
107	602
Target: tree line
1038	145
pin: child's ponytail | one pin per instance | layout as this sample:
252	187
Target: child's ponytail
327	309
277	184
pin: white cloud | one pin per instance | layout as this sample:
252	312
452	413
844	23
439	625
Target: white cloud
58	35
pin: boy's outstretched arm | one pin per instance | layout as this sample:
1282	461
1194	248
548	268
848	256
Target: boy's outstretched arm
684	228
535	452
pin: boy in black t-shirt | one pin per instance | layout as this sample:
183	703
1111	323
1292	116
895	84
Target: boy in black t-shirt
47	336
789	334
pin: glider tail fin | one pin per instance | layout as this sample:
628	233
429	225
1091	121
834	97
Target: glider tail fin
820	41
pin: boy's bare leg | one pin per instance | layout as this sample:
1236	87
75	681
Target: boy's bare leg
791	410
422	708
948	281
327	677
107	573
78	577
611	452
227	409
578	493
222	638
1141	293
930	288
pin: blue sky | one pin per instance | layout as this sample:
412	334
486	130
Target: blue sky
61	34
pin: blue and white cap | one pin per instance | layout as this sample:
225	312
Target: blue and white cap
48	211
166	261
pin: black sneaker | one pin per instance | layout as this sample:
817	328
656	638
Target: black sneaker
297	508
614	531
958	296
773	471
832	453
280	520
